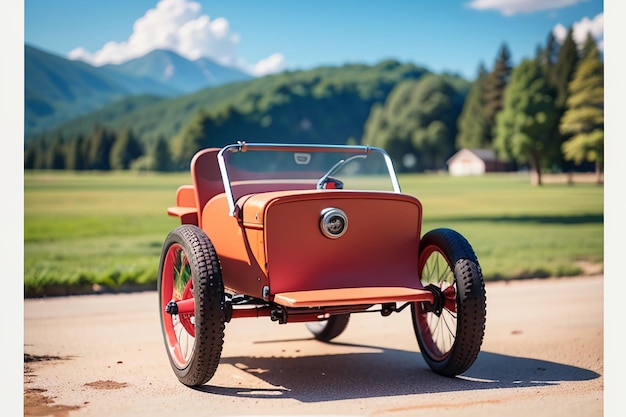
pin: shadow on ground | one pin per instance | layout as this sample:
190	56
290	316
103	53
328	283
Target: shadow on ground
384	373
591	218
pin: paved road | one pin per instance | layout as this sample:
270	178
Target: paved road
103	355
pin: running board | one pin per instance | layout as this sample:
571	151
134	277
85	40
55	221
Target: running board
351	296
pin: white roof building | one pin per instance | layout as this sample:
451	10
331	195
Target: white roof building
474	162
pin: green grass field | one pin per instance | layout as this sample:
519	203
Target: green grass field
107	228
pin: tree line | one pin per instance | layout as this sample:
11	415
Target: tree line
103	150
546	113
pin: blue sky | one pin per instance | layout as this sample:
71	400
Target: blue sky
268	36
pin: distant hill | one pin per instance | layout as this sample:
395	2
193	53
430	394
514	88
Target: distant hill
149	116
325	104
57	89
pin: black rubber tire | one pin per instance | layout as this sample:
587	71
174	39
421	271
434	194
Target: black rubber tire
327	330
192	245
447	255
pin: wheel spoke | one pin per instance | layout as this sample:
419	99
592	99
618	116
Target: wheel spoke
450	325
438	330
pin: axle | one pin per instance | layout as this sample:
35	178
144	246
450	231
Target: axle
432	299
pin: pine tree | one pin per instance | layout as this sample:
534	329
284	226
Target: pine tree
36	154
30	156
125	149
564	68
495	85
589	47
55	158
161	157
74	157
584	117
472	123
99	148
548	57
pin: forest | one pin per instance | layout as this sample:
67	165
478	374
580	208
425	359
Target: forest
546	114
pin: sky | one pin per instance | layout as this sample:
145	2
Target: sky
262	37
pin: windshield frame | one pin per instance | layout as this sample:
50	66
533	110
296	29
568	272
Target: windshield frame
244	147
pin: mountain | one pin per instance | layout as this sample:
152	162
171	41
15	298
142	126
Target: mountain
171	69
57	89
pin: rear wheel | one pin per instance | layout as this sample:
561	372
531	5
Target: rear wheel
450	331
329	329
189	269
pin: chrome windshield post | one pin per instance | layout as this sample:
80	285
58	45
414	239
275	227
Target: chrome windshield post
391	169
238	147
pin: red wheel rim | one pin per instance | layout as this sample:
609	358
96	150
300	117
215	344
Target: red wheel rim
438	331
177	285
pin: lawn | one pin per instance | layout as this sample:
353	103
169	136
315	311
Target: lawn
107	228
517	230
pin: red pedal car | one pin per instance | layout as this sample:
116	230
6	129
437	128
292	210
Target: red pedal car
310	234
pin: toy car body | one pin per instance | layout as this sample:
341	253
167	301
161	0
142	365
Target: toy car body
310	233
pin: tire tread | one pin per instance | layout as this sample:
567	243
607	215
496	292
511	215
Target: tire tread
471	302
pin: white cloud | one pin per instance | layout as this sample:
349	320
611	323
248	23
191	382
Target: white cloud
268	65
511	7
594	26
180	26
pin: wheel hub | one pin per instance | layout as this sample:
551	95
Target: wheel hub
438	299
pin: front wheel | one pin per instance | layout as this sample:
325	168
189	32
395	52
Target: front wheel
189	269
450	331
